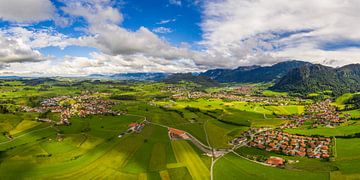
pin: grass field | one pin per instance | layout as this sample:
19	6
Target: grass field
234	167
354	113
90	148
186	155
287	110
342	130
273	93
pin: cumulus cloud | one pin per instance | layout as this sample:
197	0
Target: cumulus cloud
26	11
39	38
99	63
235	32
122	50
96	12
240	30
16	50
110	38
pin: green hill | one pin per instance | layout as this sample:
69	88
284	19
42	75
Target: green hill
317	78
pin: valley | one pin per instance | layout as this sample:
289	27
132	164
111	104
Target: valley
153	130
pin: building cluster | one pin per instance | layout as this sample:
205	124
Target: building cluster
136	127
278	101
82	106
31	109
246	90
325	114
288	144
320	113
133	127
295	121
246	135
285	143
175	89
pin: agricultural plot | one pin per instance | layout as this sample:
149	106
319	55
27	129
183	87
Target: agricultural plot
90	148
348	155
343	130
186	155
273	93
286	110
233	167
354	113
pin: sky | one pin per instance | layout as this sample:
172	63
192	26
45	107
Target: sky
82	37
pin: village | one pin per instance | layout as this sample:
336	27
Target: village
320	113
285	143
82	106
267	139
234	96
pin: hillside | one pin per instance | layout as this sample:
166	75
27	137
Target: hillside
253	74
140	76
317	78
202	80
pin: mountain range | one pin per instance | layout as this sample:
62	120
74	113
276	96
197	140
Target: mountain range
140	76
290	76
253	74
317	78
295	76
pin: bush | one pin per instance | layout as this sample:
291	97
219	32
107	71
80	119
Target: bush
123	97
4	109
192	109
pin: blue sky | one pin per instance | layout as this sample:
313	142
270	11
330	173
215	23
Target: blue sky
79	37
183	22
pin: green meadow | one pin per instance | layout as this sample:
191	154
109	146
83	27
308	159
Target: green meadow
90	148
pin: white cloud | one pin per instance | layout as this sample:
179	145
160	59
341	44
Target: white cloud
39	38
96	12
175	2
239	30
162	30
166	21
236	32
26	11
121	50
110	38
99	63
16	50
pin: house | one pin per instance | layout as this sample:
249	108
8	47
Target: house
275	161
177	134
137	127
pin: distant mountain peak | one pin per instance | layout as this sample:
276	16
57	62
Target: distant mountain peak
317	78
255	73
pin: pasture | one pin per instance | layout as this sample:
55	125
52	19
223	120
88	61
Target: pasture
233	167
90	148
342	130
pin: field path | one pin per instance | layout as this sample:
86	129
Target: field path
13	139
195	141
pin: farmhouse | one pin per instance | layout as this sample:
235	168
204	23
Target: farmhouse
136	127
275	161
177	134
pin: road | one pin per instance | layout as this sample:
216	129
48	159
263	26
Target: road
215	154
